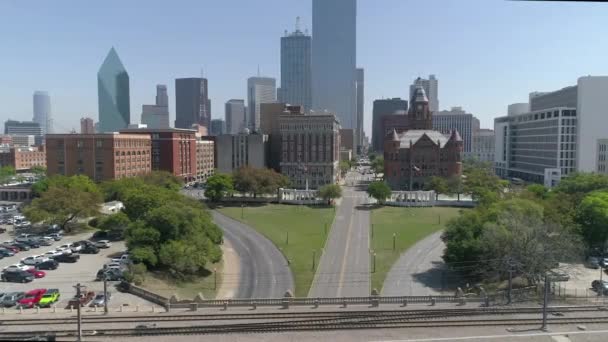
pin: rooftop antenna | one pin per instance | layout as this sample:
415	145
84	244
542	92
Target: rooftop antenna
298	24
202	73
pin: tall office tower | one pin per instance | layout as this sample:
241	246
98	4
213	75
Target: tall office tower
381	109
234	116
113	94
87	126
295	69
24	128
360	108
192	103
430	88
157	115
218	127
334	59
259	90
456	118
42	111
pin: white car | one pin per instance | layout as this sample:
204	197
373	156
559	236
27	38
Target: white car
103	244
34	260
17	267
52	253
114	264
66	248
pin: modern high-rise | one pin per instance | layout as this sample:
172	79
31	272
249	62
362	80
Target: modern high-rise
360	109
42	111
431	87
156	116
456	118
192	103
235	116
295	69
259	90
113	94
87	126
243	149
562	133
483	146
218	127
381	109
24	129
334	59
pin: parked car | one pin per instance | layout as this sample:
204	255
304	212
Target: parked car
83	300
6	253
31	299
17	267
65	250
53	253
48	265
50	296
21	246
103	244
76	247
33	260
25	236
593	262
33	243
46	241
36	273
17	276
111	274
107	235
71	258
10	248
56	236
101	299
10	299
91	249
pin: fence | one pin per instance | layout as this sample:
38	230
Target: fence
145	294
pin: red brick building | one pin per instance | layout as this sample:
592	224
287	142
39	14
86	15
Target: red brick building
99	156
173	150
417	153
23	158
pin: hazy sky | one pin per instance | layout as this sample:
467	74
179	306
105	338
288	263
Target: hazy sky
485	53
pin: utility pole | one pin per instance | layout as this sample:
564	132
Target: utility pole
545	303
78	315
105	293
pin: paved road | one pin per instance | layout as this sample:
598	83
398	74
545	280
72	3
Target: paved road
263	271
345	264
418	272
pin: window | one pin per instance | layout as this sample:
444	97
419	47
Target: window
99	143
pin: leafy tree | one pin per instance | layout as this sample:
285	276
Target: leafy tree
455	185
6	173
118	222
136	273
379	190
38	171
582	183
437	184
184	256
65	200
483	185
345	165
372	157
592	215
538	191
269	181
378	164
163	179
218	186
246	180
330	192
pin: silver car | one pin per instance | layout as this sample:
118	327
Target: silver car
100	299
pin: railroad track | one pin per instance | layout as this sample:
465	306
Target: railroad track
300	315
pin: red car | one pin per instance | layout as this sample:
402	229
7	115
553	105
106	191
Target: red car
31	298
11	248
36	273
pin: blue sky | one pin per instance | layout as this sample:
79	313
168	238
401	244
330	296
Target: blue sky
485	53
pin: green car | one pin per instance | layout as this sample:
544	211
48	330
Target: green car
50	296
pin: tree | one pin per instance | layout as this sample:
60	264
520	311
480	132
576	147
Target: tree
66	200
582	183
330	192
345	165
163	179
269	181
379	190
455	185
6	173
592	215
538	191
437	184
218	186
118	222
38	171
378	164
246	180
483	185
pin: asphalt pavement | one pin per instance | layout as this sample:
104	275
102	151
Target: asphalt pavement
345	264
418	271
263	271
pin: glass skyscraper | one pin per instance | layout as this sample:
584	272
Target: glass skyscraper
113	94
295	69
259	90
42	111
192	103
334	58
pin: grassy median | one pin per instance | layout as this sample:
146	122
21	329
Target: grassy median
409	226
295	230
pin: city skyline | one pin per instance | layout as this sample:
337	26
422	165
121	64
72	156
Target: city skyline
524	65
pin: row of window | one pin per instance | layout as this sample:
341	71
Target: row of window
129	153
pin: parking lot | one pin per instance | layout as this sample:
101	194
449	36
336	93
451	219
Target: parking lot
68	274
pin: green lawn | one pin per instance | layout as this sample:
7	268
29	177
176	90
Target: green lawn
306	228
410	225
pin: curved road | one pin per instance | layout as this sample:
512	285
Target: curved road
263	271
418	271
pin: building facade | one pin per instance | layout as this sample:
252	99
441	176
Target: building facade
42	111
334	59
235	116
347	139
359	133
296	69
418	153
23	158
24	129
101	157
192	103
483	146
431	88
157	115
456	118
218	127
269	124
381	109
113	94
243	149
310	149
173	150
87	126
259	90
205	159
24	140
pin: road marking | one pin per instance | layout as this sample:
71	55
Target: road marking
515	335
350	226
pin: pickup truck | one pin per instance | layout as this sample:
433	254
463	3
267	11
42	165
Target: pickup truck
50	296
